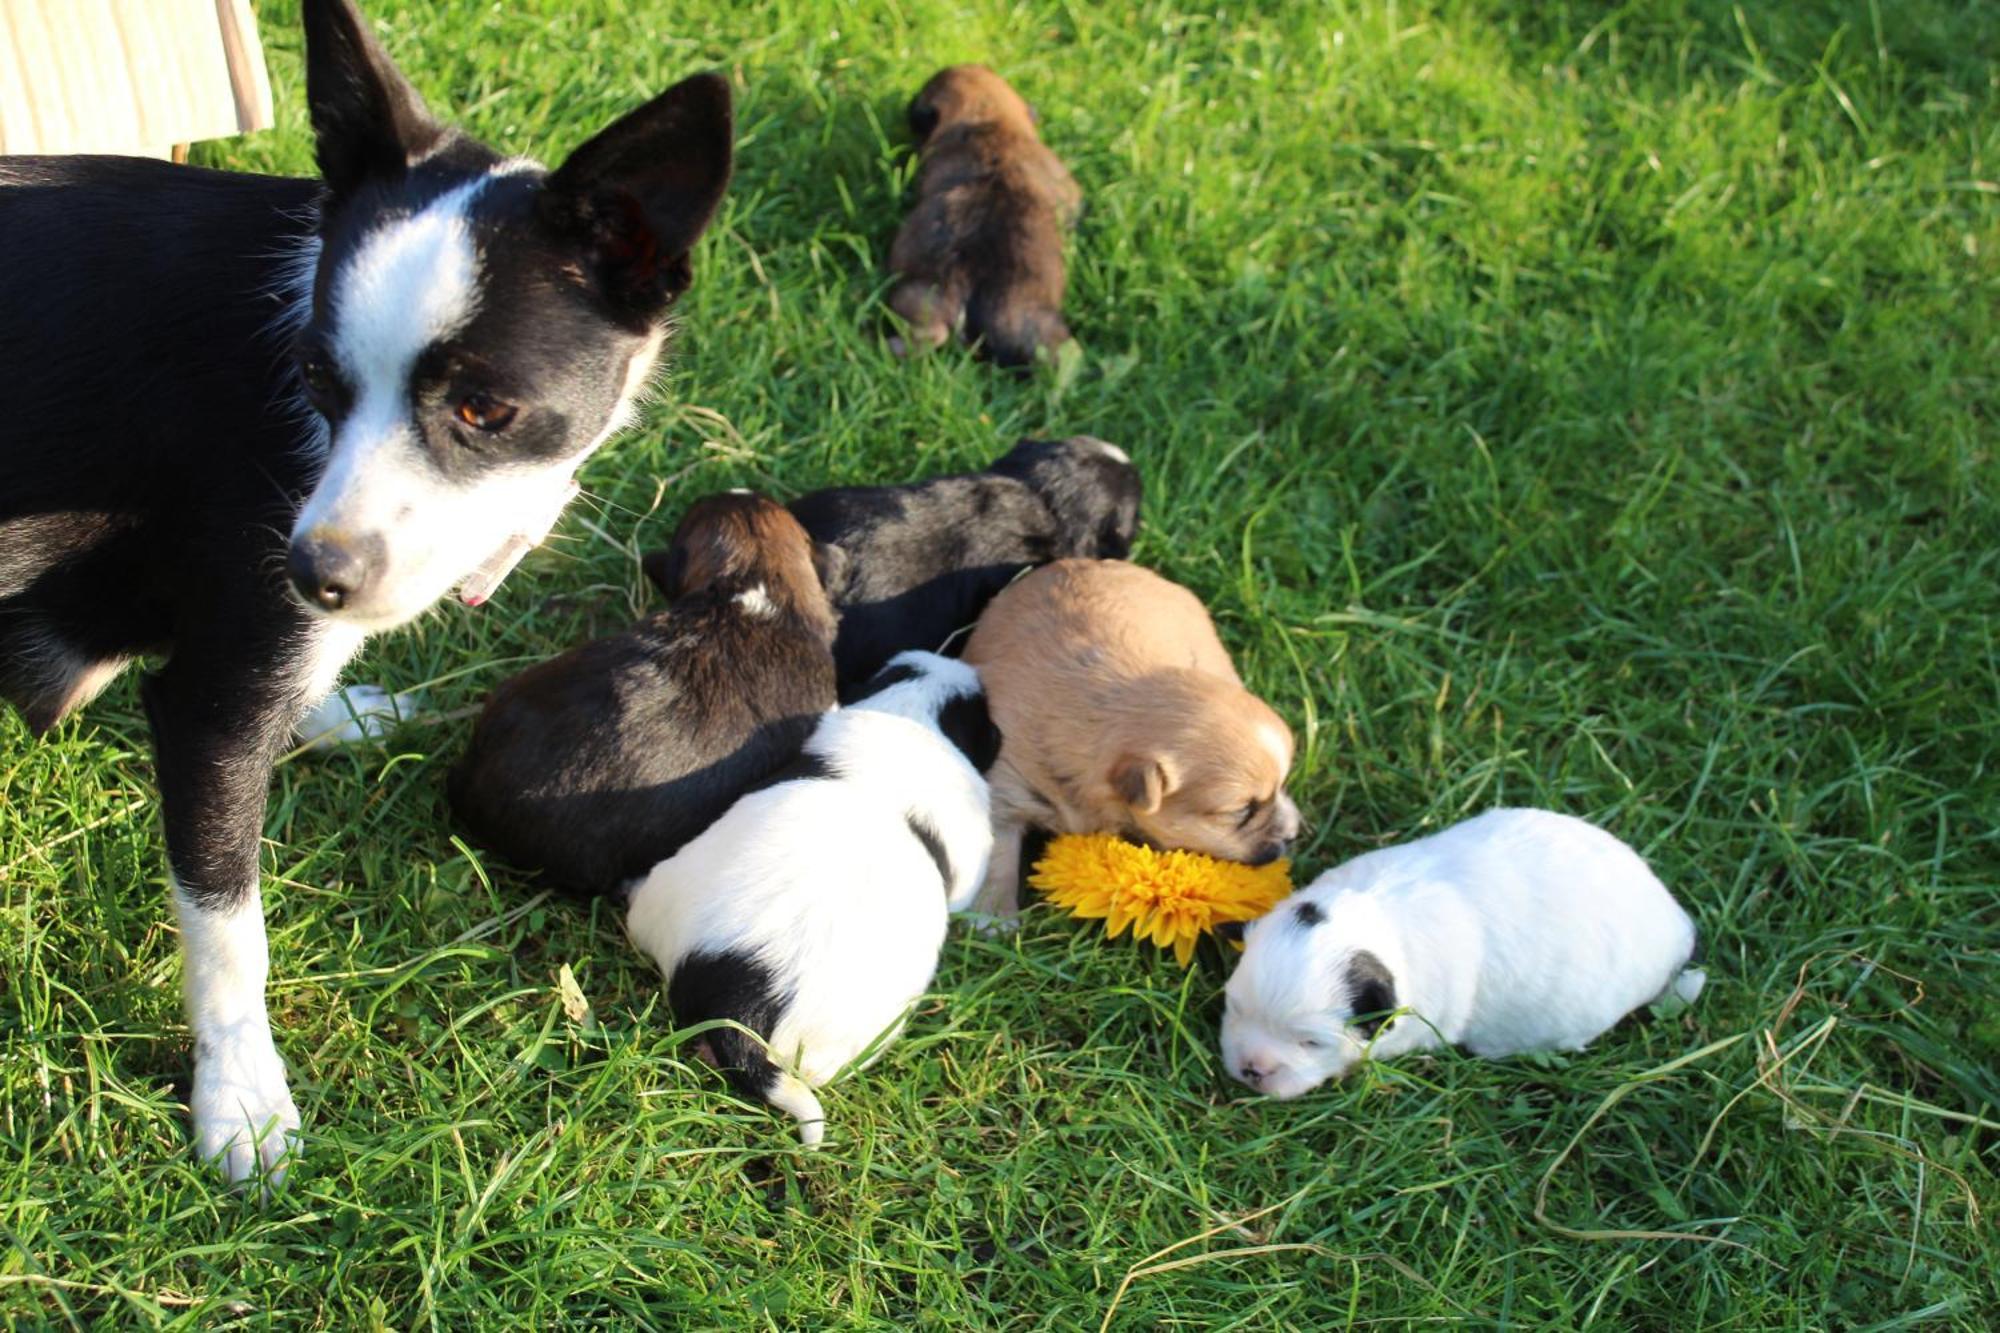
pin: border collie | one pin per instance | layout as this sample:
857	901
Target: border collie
251	420
813	912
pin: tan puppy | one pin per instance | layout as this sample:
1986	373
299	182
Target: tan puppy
1120	712
981	253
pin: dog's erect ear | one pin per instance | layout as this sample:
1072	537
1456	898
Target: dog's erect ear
830	563
640	194
368	121
1142	781
1371	992
665	569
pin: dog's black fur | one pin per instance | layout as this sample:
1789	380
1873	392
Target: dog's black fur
145	467
918	563
600	763
157	442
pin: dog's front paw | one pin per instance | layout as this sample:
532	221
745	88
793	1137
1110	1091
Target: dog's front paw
244	1119
357	713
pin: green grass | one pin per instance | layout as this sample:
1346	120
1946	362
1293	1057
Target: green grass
1576	404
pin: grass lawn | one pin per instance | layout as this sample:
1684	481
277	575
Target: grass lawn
1574	404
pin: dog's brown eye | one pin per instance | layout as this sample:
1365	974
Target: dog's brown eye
483	411
1312	1045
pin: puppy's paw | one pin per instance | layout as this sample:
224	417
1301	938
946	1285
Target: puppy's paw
991	925
245	1122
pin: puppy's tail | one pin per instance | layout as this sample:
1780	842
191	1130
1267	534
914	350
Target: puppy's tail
747	1065
790	1094
1686	986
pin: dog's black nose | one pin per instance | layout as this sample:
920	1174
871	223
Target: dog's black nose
1251	1074
330	569
1269	852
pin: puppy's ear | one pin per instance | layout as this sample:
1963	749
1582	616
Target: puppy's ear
923	118
641	193
830	563
368	122
1371	992
1143	781
1121	525
967	724
666	569
888	677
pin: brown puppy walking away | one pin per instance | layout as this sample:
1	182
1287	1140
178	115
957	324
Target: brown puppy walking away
981	253
1120	712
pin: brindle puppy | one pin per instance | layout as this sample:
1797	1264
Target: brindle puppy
981	254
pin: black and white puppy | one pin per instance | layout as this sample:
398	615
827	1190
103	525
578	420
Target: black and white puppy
812	913
593	767
251	420
918	562
1517	930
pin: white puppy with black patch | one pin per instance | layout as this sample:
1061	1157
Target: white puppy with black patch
812	912
1517	930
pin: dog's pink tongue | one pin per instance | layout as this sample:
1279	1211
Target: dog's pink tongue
480	583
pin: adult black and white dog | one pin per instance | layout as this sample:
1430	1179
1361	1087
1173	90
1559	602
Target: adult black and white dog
380	386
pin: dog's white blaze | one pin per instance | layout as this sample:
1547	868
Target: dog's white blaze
242	1108
411	283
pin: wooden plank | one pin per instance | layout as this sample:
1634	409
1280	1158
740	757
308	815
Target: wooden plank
128	76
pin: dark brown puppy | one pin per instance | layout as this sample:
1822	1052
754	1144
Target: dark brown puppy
597	765
981	253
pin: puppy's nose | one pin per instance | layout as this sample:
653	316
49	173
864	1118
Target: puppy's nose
331	569
1254	1075
1269	852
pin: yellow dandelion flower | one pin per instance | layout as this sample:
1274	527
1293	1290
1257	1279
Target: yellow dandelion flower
1169	898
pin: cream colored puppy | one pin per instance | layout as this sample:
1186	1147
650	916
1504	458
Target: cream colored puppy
1120	712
